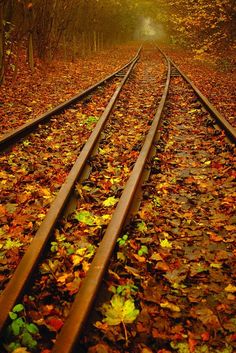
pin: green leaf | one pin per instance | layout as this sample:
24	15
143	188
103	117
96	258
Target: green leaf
85	217
143	250
32	328
18	308
122	241
10	244
12	315
12	346
28	341
16	326
119	310
141	226
110	201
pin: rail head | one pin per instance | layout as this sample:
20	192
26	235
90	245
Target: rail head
229	129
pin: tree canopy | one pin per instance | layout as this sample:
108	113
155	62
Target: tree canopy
84	26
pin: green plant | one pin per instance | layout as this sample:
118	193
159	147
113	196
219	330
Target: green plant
10	244
143	250
126	290
61	243
156	201
141	226
122	241
19	332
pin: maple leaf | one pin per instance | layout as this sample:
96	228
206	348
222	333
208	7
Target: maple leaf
119	311
85	217
110	201
165	244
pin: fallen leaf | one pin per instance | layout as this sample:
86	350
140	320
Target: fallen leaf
230	288
55	323
170	306
119	310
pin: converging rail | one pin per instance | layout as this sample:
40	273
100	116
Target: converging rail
30	259
13	136
84	299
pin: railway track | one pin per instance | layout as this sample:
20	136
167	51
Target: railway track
115	200
34	168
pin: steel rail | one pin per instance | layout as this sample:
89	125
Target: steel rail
24	271
13	136
82	305
229	129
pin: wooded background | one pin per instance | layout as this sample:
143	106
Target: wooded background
79	27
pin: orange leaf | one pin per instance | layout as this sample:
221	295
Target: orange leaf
139	258
205	336
215	237
192	343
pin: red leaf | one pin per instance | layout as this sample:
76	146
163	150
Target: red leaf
55	323
205	336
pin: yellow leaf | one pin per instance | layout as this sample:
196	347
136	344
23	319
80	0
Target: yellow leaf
230	288
165	243
214	265
63	278
76	259
230	227
170	306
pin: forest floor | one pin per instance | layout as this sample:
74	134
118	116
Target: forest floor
32	94
176	257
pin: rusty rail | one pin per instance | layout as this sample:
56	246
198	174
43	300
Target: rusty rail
87	293
25	269
229	129
13	136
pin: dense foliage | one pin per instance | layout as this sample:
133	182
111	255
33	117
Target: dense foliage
80	26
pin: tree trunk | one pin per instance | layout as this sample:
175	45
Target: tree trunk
31	52
2	42
94	41
83	44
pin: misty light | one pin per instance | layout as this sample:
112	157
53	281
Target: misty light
148	29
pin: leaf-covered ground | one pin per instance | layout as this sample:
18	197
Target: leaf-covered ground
172	279
214	75
76	238
51	84
34	170
171	283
